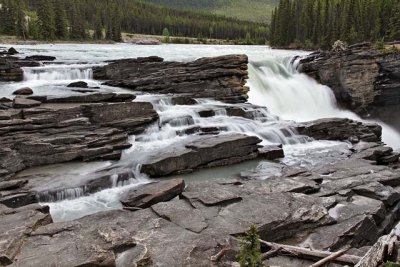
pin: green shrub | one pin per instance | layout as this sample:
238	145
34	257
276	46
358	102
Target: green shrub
392	264
250	249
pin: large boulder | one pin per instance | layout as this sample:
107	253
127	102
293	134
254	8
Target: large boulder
222	78
80	84
23	91
150	194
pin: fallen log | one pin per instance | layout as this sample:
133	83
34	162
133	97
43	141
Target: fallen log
382	251
314	255
331	257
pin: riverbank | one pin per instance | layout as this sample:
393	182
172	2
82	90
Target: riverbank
140	39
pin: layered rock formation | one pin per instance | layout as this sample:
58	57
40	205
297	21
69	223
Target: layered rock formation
363	79
220	150
221	78
47	135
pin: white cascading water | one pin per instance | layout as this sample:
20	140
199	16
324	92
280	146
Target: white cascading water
58	73
275	85
295	96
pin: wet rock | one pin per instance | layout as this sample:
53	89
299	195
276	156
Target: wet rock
183	100
9	71
23	91
25	103
271	152
150	194
202	152
41	58
79	84
92	98
12	51
86	132
206	113
341	130
5	100
16	225
222	78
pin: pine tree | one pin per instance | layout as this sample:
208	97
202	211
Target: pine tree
98	27
250	249
46	21
61	22
21	23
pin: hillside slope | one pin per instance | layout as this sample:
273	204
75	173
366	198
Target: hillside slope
254	10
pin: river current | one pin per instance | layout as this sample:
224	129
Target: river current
275	85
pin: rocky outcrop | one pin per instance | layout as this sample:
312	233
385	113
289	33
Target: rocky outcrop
47	135
341	130
221	78
363	79
219	150
151	194
10	71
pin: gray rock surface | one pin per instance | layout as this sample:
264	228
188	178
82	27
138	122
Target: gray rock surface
222	78
219	150
40	136
23	91
150	194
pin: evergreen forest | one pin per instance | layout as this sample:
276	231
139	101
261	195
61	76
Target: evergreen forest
107	19
319	23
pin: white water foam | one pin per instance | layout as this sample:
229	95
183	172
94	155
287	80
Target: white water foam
291	95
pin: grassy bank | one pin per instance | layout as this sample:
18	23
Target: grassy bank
129	38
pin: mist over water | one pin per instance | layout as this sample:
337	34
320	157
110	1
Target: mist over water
283	94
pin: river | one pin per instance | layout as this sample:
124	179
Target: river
284	94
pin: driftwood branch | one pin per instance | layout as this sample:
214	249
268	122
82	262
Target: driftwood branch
382	251
314	255
220	254
331	257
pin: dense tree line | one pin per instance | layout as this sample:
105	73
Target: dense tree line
99	19
319	23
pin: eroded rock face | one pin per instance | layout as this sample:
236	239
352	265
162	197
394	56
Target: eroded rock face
10	71
40	136
362	78
221	78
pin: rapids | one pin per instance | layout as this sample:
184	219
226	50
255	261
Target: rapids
283	94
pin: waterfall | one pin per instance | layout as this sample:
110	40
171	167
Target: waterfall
277	85
58	73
